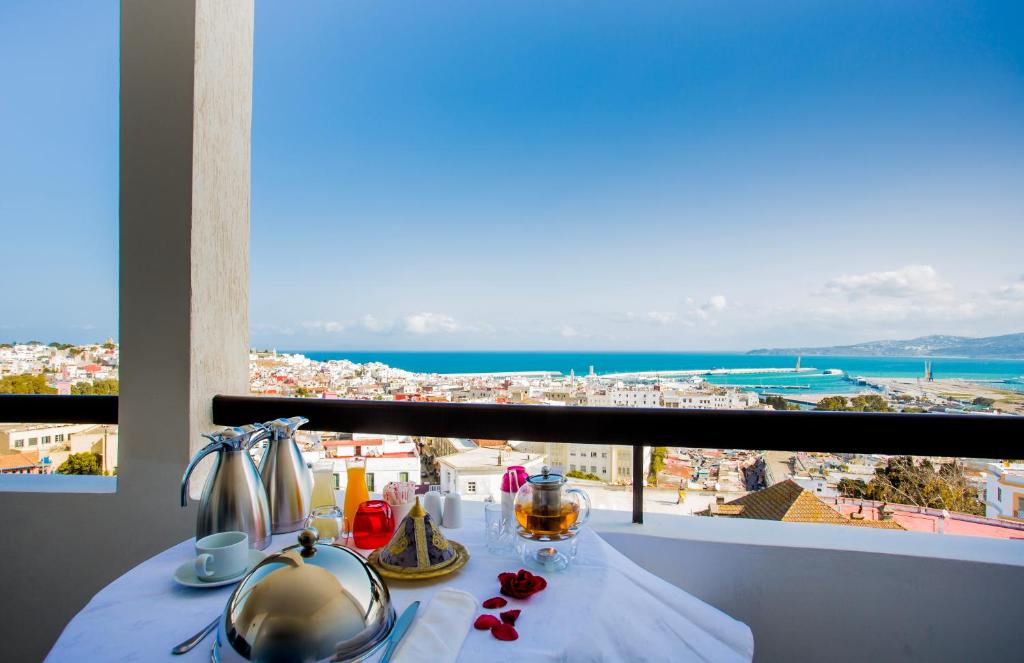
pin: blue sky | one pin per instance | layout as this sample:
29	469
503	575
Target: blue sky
532	175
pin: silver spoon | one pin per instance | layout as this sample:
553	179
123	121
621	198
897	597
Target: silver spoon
195	639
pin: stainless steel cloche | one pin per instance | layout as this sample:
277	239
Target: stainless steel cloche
310	602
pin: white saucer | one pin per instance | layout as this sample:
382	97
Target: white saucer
186	573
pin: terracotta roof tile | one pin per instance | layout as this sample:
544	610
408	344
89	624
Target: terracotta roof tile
788	502
20	460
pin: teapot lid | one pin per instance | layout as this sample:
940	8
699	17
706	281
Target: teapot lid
547	479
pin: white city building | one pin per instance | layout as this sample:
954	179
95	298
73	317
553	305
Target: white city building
623	397
709	400
388	458
1004	491
613	463
16	438
476	474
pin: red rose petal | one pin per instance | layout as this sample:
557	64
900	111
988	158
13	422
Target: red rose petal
510	616
484	622
496	602
505	632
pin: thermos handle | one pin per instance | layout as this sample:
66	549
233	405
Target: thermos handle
585	510
216	445
252	434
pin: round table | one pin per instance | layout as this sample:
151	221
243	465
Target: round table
603	607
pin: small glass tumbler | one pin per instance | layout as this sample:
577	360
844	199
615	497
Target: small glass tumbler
328	522
498	536
373	525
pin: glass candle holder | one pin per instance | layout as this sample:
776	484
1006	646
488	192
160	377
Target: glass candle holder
373	525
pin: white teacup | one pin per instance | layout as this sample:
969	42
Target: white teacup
221	556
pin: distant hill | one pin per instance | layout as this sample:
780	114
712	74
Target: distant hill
1008	346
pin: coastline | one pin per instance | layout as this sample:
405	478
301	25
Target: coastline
724	368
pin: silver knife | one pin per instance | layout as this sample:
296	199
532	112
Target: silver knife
401	626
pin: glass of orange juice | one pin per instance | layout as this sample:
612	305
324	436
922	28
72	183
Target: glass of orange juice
355	490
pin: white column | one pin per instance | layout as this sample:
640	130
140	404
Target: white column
186	98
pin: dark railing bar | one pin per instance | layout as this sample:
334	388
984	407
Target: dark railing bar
975	436
638	485
53	409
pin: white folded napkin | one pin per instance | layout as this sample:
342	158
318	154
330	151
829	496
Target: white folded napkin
438	631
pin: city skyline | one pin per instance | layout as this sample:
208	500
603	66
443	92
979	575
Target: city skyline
527	177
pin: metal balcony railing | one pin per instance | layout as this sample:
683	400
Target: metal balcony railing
972	436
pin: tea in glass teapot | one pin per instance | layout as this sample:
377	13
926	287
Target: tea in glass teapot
547	509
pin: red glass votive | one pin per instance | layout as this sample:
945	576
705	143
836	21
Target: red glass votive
373	525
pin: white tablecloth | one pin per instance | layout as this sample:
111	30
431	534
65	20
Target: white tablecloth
603	608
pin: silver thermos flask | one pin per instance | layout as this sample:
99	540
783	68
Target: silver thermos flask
287	480
233	498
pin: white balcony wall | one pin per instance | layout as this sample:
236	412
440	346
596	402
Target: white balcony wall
828	593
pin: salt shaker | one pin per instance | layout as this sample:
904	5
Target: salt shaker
432	503
452	510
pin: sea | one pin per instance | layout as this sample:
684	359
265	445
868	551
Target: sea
1003	374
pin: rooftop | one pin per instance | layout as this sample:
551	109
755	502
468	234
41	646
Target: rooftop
788	502
484	460
18	461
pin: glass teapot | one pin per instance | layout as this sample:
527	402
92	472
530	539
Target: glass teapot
547	509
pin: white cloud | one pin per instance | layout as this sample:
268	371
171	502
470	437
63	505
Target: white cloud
370	322
716	303
1012	291
430	323
661	317
650	317
567	331
271	328
905	282
328	326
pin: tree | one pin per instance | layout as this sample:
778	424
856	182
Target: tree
657	464
109	346
905	481
779	403
301	392
852	488
913	409
981	401
109	387
868	403
573	474
25	384
82	463
832	403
